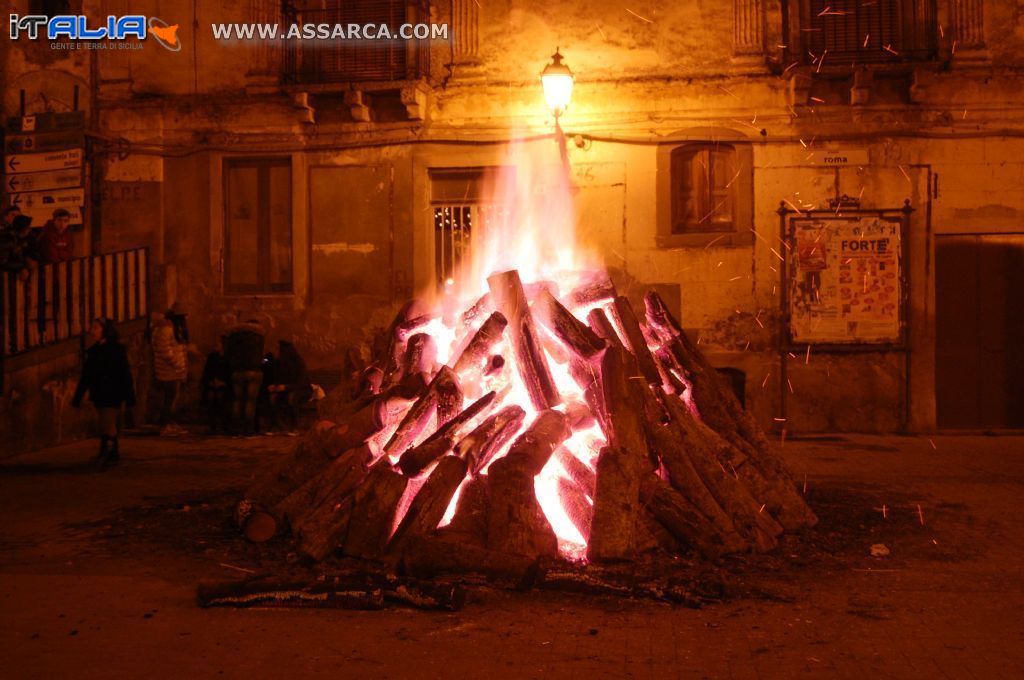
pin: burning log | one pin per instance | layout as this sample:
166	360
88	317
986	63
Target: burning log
535	446
476	353
388	356
578	471
580	415
409	430
515	521
592	292
430	503
469	524
572	332
679	517
374	503
449	395
420	355
363	424
494	365
335	483
747	515
489	437
507	291
616	505
324	528
634	339
685	478
440	443
601	325
574	501
722	412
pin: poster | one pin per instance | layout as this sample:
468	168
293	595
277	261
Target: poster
845	279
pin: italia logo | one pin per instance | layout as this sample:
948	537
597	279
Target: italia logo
79	27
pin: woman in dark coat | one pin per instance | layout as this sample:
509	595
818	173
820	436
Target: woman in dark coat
107	377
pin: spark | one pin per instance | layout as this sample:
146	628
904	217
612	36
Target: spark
758	236
942	32
884	510
713	242
866	39
807	359
779	420
638	16
904	173
821	61
746	346
796	209
759	323
735	278
790	383
727	91
720	262
598	27
954	47
805	484
816	99
804	143
776	253
888	48
932	443
787	69
737	173
965	114
782	438
920	514
765	381
762	507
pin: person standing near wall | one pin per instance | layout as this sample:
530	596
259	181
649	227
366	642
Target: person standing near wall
107	378
170	365
243	349
56	243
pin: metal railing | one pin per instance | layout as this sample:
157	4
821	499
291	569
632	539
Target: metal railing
58	301
842	32
353	61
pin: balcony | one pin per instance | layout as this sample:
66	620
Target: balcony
325	62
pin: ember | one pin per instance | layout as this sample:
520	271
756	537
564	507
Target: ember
539	416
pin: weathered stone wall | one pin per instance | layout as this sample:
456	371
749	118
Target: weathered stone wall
945	135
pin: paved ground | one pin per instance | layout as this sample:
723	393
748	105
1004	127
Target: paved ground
90	587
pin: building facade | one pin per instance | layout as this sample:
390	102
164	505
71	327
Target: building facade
317	187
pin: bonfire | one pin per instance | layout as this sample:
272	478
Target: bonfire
529	412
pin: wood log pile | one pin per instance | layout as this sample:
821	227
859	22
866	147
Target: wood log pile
436	468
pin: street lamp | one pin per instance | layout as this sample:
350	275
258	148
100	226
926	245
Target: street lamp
557	81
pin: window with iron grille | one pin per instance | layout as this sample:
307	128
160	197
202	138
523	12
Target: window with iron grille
341	61
461	212
862	31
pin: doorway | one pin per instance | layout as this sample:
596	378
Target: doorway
979	292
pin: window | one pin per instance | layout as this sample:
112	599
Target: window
342	61
705	191
846	31
457	197
258	225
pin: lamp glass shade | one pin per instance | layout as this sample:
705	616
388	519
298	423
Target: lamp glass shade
557	80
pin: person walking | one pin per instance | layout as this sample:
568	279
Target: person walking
243	349
107	379
170	365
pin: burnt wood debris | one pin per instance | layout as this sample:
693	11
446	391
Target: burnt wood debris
684	469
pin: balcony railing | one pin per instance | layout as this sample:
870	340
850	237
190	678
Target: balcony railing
354	61
59	301
842	32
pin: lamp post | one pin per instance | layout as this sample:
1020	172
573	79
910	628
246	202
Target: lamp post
557	80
